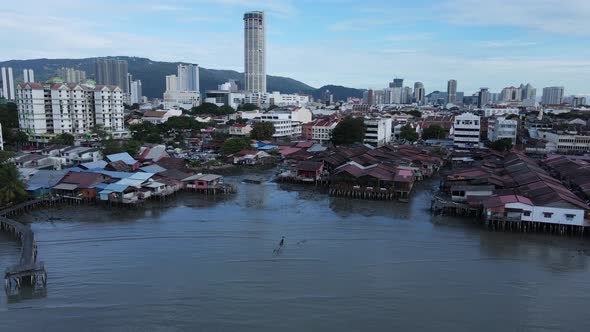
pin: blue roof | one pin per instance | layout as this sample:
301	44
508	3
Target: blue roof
45	179
267	147
141	176
153	169
115	175
94	164
114	187
124	156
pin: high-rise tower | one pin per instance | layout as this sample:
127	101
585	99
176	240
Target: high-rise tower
255	51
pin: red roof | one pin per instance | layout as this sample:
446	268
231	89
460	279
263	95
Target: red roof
83	180
246	152
304	145
500	201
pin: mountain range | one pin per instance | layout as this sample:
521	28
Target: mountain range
152	75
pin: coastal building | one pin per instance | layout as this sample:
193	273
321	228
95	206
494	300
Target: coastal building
71	75
502	128
319	130
378	131
112	72
466	130
552	95
7	83
255	51
47	110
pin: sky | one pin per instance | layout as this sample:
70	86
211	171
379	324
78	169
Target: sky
361	44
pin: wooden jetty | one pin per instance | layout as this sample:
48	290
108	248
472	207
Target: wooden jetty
371	193
28	271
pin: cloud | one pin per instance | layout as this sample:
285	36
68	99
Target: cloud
568	17
506	43
410	37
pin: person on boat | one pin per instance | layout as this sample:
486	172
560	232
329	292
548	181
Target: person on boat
277	251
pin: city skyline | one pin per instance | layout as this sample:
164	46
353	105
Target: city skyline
352	45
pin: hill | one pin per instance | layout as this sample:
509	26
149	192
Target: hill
339	92
152	75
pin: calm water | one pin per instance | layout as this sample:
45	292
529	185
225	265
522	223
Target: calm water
207	265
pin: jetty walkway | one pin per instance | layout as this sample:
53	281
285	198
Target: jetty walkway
28	271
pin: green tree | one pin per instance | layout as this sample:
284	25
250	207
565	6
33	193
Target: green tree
408	133
247	107
262	131
132	147
12	189
141	131
236	144
349	131
205	108
110	146
502	145
272	107
415	113
225	110
64	139
21	138
434	132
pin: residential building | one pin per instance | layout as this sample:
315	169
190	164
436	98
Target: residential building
255	51
7	83
552	95
511	94
240	129
406	95
502	128
135	92
319	130
452	92
112	72
276	98
419	93
328	98
378	97
393	95
28	76
188	77
288	122
459	98
378	131
157	117
71	75
46	110
466	130
397	83
528	95
483	97
225	97
578	101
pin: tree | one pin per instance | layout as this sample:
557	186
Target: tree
64	139
132	147
262	131
434	132
100	132
21	138
225	110
415	113
141	131
12	189
111	147
349	131
408	133
236	144
502	145
247	107
204	108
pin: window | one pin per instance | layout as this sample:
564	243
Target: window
527	213
547	214
570	217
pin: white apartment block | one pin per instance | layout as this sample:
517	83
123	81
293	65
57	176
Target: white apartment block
378	131
53	109
501	128
225	97
182	99
276	98
466	130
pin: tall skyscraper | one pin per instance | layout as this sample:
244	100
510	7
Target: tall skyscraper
528	94
255	51
112	72
71	75
171	83
28	75
419	93
406	96
188	77
483	97
397	83
452	92
552	95
135	92
7	83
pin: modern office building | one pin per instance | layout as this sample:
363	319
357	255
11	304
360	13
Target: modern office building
406	96
452	92
182	90
112	72
255	51
397	83
419	93
136	93
552	95
483	97
7	83
528	95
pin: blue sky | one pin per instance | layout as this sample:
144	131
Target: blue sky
361	44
